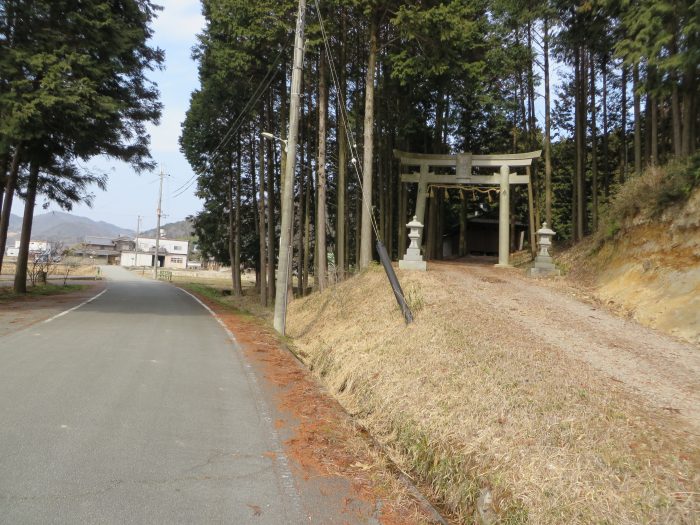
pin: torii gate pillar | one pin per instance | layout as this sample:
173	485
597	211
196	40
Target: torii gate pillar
504	218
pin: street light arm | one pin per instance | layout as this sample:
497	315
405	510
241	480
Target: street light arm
269	136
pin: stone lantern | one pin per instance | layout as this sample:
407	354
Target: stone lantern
543	262
413	260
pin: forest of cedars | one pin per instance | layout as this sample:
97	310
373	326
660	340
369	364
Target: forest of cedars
605	88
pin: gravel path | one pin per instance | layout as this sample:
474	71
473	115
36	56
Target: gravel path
663	370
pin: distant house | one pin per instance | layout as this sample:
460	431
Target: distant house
125	252
171	254
100	250
124	244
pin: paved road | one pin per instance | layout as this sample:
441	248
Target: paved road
135	408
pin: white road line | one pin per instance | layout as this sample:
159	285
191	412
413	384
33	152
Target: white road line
75	307
287	479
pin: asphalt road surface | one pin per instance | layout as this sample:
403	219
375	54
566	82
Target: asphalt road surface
135	408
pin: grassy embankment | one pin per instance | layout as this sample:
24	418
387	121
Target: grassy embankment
645	257
490	427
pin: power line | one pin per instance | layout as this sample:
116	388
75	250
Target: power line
350	137
262	87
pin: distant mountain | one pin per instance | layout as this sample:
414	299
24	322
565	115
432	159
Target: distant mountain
15	223
72	229
67	228
180	231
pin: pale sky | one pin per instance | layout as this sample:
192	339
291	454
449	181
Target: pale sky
129	195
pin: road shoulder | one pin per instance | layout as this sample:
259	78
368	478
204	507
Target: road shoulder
22	312
342	477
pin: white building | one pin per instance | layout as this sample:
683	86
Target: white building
34	248
171	254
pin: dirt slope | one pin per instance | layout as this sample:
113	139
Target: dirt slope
664	371
651	270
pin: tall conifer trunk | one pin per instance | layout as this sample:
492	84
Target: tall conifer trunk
307	238
271	244
623	110
646	148
10	186
368	152
237	288
254	195
606	138
261	224
341	185
4	165
301	208
547	128
581	208
654	131
676	121
321	269
594	148
675	99
231	226
579	197
637	121
689	113
26	235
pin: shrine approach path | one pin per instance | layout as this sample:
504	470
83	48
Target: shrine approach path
556	315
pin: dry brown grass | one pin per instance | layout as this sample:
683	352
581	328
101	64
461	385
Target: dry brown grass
57	270
465	407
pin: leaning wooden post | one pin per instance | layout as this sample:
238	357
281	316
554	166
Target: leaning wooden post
504	218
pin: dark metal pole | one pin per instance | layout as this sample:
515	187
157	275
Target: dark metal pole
398	292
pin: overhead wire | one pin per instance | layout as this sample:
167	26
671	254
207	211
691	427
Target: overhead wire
262	87
350	137
359	173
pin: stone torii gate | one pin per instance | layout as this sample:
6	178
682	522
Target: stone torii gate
462	164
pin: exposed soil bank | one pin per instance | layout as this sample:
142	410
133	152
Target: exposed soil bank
651	270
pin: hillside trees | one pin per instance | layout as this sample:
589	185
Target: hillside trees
430	76
73	86
240	55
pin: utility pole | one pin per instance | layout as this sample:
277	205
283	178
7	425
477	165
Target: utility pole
136	244
158	212
280	316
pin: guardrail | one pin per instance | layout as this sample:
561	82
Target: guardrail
166	276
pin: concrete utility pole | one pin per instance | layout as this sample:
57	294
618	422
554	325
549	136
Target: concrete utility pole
159	213
136	244
288	186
